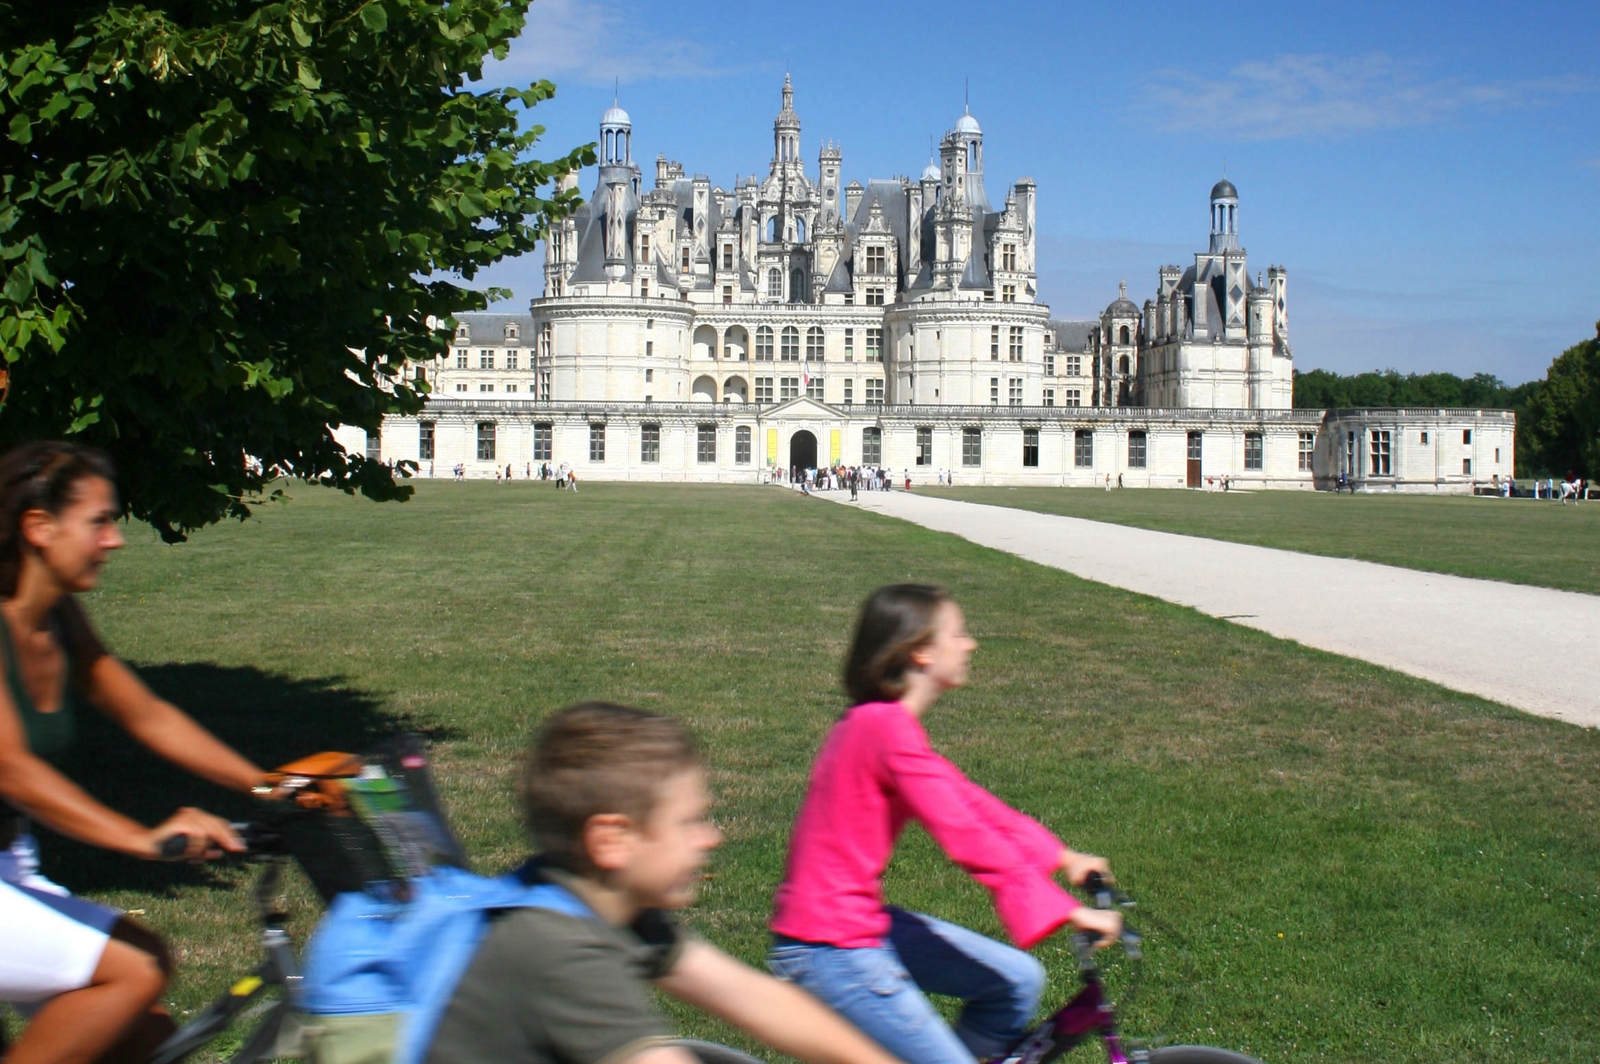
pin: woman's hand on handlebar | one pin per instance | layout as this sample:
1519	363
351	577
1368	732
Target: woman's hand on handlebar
206	837
1106	923
1077	867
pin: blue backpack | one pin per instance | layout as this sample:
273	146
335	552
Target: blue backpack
399	962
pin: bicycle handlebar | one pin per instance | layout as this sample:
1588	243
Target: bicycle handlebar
258	839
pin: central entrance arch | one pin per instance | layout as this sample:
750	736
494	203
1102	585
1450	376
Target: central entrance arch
802	451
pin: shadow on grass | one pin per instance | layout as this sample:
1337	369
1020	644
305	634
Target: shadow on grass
271	719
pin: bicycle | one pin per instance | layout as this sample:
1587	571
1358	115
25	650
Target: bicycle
1089	1013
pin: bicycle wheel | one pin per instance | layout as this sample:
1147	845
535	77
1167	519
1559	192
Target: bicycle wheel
716	1053
1198	1055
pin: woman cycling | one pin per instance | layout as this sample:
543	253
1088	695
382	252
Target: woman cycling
91	978
834	936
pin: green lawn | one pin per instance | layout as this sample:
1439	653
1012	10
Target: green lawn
1523	541
1334	862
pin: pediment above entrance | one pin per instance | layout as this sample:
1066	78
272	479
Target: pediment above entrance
802	409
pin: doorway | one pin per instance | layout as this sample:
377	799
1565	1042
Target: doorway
802	452
1194	460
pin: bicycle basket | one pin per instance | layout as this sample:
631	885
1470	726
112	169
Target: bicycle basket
354	820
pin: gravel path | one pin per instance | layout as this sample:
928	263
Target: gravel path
1528	647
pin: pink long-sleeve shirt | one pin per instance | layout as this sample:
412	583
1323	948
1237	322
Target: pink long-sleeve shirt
875	772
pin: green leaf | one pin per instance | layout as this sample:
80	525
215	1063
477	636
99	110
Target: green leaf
374	17
306	74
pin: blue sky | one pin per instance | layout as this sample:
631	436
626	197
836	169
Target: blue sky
1429	173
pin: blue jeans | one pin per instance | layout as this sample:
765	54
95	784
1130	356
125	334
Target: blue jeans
881	989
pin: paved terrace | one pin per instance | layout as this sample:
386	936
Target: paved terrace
1528	647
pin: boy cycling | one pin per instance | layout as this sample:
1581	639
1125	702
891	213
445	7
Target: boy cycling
616	800
834	936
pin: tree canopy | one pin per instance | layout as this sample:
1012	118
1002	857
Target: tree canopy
1321	389
1558	430
226	225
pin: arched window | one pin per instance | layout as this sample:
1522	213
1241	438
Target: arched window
1124	365
790	351
797	287
764	344
800	230
1123	334
772	230
774	283
814	343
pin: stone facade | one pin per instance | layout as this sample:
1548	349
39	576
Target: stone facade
688	332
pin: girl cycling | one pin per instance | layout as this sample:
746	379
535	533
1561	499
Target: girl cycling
93	977
834	936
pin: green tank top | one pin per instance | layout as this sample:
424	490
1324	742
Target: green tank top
49	734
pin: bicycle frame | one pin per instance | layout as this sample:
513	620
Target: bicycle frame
1087	1014
279	968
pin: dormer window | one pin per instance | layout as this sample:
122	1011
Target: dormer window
1008	256
511	332
876	259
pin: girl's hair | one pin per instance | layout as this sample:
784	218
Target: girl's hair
895	621
42	475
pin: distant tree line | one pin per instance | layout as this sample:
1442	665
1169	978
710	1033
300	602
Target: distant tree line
1558	417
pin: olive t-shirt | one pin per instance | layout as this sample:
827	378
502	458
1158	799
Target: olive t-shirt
548	988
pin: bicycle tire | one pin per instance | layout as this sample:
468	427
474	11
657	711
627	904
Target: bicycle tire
716	1052
1198	1055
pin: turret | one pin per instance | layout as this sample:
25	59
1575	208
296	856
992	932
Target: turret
830	161
1224	216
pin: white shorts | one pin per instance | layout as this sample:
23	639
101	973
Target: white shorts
50	942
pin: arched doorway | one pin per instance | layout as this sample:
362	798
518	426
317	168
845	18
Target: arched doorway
802	452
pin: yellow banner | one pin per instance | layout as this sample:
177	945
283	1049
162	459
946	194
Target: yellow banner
833	447
772	447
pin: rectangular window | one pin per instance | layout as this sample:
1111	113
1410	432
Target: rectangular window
705	444
763	389
649	348
1014	391
789	345
876	259
425	440
994	391
1308	443
1008	293
972	447
814	349
1466	467
649	376
683	259
485	359
871	446
1137	442
1497	455
727	260
461	358
1008	256
1196	442
486	441
874	343
644	288
849	345
1074	365
1083	449
485	386
597	441
1015	348
924	445
544	383
543	441
727	295
994	343
511	387
374	447
649	443
774	284
1030	448
764	344
788	388
644	247
1074	397
1466	435
1049	365
849	392
849	299
1378	452
874	297
1049	397
875	390
511	359
741	445
814	389
1253	447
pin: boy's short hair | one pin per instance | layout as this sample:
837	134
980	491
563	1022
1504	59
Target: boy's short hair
594	758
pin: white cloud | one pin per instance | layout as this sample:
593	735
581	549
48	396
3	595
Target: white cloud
1309	95
595	42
